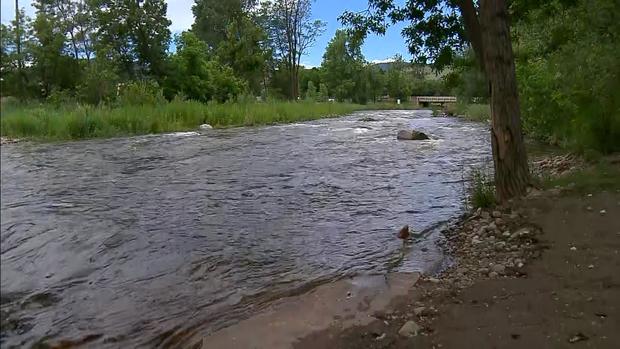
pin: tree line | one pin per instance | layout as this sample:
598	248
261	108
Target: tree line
86	49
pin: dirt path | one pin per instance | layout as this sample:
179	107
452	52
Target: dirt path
569	298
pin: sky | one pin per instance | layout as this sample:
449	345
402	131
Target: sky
376	48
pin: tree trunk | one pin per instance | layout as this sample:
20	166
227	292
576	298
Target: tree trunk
509	157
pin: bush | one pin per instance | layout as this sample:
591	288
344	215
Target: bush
569	75
481	189
141	93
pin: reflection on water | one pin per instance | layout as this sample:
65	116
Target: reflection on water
130	241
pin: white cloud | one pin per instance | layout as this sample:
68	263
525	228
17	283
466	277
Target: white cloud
180	14
387	60
308	65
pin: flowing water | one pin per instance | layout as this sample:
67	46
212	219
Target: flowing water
139	241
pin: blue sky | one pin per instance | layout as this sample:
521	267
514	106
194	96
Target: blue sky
376	48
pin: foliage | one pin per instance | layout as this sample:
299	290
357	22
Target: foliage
196	74
434	32
243	50
481	189
342	64
142	92
99	81
137	31
212	18
291	33
569	74
471	111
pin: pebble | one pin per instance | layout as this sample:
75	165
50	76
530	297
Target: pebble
493	274
205	127
434	280
497	214
498	268
573	248
419	311
409	329
603	212
591	266
485	215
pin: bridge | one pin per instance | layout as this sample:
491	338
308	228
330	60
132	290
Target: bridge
425	101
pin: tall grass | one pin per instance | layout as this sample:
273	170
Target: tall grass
66	122
481	189
470	111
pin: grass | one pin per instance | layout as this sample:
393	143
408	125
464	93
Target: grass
481	189
475	112
603	175
71	122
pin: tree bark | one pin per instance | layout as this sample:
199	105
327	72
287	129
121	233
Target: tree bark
509	156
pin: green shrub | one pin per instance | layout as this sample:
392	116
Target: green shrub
142	92
481	189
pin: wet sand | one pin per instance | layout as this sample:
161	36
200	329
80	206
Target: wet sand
341	304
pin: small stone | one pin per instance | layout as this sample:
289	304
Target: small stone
589	195
205	127
591	266
419	311
602	212
483	270
498	268
434	280
506	234
573	248
497	214
499	222
492	226
493	274
520	265
380	337
485	215
409	329
589	208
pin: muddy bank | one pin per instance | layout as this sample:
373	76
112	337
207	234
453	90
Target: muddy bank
341	304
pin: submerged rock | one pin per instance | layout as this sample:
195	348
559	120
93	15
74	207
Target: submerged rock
411	135
368	119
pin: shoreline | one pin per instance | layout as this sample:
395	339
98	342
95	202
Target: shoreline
500	247
547	283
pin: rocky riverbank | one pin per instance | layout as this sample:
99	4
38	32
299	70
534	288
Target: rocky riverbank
540	272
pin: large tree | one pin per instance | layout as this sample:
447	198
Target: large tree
342	65
212	18
439	28
137	30
291	32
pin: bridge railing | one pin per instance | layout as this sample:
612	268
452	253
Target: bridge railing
435	99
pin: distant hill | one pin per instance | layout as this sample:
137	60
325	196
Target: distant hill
427	71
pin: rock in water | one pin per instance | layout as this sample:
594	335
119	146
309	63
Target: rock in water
409	329
411	135
205	127
403	233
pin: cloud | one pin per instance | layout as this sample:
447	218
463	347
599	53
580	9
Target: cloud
308	65
387	60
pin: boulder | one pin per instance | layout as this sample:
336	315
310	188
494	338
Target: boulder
411	135
205	127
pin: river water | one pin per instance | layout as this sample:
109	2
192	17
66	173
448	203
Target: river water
141	241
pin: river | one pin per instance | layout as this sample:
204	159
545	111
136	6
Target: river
131	241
